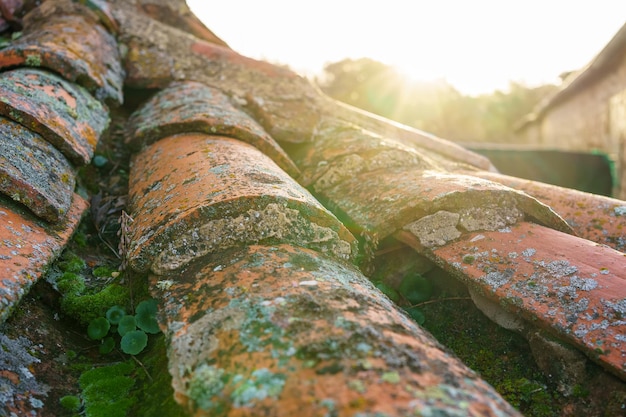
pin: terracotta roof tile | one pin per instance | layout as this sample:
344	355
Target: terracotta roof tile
195	194
195	107
382	201
594	217
34	172
291	332
571	286
27	245
65	37
64	114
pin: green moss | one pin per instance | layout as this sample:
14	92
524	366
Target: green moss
88	307
501	357
156	396
106	390
70	402
103	271
468	259
71	284
70	262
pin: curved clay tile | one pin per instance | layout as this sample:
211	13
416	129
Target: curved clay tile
288	106
34	173
193	107
285	331
194	194
65	37
65	114
572	287
594	217
27	246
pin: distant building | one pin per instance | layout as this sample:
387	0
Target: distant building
588	113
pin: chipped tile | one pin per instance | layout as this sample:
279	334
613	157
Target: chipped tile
66	115
571	286
65	37
34	173
27	246
253	338
594	217
195	194
195	107
384	201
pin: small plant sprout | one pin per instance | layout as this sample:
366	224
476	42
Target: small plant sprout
126	324
146	316
134	342
115	314
98	328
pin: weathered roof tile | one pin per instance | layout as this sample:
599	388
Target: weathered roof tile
194	194
571	286
65	114
194	107
34	173
66	37
27	245
383	201
291	332
597	218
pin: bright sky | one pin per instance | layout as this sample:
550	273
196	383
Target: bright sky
477	46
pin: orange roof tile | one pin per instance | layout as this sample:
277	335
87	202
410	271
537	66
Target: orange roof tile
65	37
194	194
27	245
291	332
34	172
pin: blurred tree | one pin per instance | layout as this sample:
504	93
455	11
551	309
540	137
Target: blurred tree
436	107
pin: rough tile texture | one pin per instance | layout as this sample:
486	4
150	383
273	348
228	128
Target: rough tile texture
383	201
571	286
196	194
27	246
34	173
288	106
284	331
65	37
65	114
594	217
194	107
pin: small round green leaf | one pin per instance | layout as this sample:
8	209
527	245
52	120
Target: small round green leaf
134	342
115	314
146	316
388	291
416	314
126	324
98	328
107	345
415	288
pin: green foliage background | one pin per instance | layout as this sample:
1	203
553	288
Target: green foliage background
435	107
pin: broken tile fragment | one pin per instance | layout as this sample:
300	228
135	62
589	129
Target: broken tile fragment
571	286
597	218
34	173
195	194
27	246
65	114
65	37
384	201
291	332
194	107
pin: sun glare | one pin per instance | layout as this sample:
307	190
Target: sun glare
476	46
